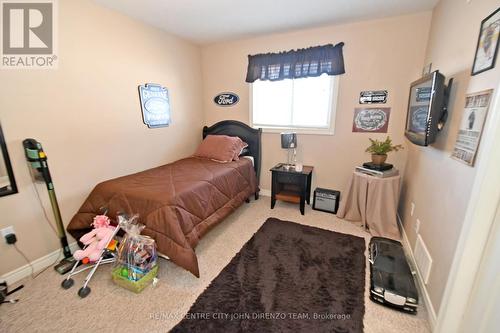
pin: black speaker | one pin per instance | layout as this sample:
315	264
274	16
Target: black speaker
326	200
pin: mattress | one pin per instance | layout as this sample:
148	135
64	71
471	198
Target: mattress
178	202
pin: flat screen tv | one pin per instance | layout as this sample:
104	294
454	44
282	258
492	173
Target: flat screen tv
427	108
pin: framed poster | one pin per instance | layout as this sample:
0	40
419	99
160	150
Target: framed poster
155	105
373	120
471	126
487	43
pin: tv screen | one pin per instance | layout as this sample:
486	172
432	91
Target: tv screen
425	109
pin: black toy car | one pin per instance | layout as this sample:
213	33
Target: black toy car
392	282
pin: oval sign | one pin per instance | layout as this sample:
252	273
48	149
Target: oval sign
371	119
156	105
226	99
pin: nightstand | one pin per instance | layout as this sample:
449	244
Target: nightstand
290	185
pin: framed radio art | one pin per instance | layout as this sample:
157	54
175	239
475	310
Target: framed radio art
487	43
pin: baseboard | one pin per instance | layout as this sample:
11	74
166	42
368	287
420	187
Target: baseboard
38	264
420	281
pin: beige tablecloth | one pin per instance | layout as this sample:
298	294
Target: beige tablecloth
373	201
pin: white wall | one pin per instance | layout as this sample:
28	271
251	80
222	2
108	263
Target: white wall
378	54
440	186
87	115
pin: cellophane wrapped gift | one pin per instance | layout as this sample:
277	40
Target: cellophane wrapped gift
136	254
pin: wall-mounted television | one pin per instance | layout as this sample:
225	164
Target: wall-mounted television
427	108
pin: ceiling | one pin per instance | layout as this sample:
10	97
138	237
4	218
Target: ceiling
208	21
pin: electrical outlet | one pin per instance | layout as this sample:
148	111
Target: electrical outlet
417	226
8	230
412	209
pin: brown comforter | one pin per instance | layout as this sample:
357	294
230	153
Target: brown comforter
178	202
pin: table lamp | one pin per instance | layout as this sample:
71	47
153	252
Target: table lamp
289	141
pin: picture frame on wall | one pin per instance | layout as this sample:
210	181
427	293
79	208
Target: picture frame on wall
471	126
371	120
487	44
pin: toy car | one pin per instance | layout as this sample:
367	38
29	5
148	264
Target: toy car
392	281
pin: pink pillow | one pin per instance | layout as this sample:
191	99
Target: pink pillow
220	148
241	145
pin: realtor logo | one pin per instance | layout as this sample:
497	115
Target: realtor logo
28	32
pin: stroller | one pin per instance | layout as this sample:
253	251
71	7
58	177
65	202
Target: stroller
106	256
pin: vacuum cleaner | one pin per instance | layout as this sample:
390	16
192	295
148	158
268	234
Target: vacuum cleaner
38	162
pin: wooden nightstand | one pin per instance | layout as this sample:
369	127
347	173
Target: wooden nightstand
290	185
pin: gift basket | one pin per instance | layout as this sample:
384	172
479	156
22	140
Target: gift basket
135	266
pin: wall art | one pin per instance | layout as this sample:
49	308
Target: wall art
471	126
487	43
155	105
372	120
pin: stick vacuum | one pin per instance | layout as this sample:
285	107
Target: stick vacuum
38	161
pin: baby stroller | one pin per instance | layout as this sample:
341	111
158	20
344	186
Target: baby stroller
107	256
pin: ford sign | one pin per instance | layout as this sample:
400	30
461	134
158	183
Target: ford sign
226	99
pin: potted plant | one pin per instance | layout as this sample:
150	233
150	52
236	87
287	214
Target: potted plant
379	150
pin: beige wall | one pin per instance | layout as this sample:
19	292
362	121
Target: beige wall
87	115
381	54
438	185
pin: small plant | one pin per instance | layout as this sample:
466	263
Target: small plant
382	147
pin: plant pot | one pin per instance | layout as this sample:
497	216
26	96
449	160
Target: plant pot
379	159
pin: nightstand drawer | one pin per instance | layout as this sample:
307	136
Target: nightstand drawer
288	178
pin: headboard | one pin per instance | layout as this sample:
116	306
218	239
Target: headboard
250	135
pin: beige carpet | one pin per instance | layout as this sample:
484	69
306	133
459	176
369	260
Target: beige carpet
45	307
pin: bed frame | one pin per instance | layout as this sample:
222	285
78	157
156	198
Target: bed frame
246	133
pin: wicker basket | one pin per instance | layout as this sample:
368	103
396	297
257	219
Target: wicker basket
135	286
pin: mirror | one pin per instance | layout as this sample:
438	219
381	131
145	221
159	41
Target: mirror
7	181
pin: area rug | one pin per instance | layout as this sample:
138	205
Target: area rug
288	277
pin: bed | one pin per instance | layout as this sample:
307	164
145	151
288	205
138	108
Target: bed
181	201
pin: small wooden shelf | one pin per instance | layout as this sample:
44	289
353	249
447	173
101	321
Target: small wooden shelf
288	196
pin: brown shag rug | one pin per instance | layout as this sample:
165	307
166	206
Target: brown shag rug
288	277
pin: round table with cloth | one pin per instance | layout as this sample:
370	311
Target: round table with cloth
373	201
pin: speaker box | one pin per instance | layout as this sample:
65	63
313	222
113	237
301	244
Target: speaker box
326	200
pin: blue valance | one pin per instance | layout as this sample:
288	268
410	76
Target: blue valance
312	61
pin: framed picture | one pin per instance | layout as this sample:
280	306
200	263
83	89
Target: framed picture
471	126
371	120
487	43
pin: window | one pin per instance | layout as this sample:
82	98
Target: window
304	104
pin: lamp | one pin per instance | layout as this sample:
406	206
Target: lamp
289	141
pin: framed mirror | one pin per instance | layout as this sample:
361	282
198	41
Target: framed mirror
7	180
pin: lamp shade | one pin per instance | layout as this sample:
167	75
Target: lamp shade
288	140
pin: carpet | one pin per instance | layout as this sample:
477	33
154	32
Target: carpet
288	277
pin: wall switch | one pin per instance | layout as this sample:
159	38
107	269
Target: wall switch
6	231
417	226
412	209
